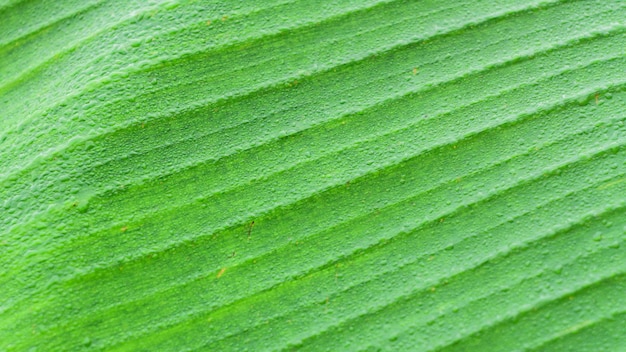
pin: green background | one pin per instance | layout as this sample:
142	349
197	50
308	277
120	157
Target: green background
180	175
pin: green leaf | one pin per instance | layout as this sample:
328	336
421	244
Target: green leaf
212	175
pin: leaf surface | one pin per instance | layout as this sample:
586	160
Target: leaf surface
376	175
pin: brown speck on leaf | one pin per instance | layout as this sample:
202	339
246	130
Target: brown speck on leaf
208	23
597	96
414	71
221	273
224	18
250	229
123	229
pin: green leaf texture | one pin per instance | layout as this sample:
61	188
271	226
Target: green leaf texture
372	175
